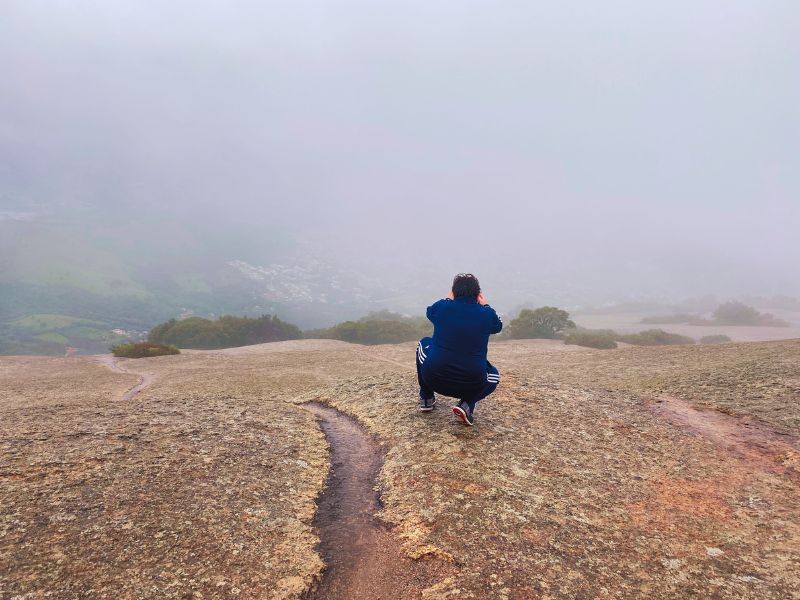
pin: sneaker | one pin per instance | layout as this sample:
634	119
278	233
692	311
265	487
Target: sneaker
462	411
427	404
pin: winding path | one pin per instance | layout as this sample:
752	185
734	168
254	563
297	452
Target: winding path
363	559
145	379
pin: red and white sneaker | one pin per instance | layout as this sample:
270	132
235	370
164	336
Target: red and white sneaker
462	411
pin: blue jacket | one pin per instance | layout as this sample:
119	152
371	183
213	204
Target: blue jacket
461	330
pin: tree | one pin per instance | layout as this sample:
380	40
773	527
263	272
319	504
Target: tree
545	322
736	313
376	331
226	332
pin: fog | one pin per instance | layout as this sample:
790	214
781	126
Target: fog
575	151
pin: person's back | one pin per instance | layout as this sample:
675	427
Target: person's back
453	362
461	330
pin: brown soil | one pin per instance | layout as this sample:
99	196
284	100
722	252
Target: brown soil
362	558
756	445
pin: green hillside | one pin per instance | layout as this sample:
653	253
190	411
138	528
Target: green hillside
70	283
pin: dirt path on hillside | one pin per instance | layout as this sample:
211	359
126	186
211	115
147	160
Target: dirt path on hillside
757	446
363	559
145	379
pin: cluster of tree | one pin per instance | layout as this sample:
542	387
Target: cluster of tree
736	313
382	327
143	350
546	322
549	322
602	339
729	313
225	332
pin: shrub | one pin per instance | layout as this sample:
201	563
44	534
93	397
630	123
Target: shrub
714	339
600	338
545	322
225	332
143	350
736	313
371	331
655	337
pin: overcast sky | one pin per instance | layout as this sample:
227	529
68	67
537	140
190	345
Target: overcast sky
463	133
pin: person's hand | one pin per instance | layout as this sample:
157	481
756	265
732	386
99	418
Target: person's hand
482	299
450	295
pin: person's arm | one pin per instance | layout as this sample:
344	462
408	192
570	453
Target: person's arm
495	323
433	309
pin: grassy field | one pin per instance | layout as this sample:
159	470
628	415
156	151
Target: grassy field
52	333
572	484
40	323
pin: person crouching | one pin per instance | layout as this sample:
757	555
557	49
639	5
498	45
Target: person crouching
453	362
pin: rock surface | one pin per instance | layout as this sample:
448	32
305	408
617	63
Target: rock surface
204	484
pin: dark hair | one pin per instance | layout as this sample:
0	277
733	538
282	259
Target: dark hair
466	284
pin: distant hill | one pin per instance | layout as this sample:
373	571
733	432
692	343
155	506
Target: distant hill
82	282
126	272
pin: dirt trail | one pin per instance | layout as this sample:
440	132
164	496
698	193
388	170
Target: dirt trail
756	445
363	559
145	379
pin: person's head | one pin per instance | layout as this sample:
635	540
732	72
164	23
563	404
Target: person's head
466	284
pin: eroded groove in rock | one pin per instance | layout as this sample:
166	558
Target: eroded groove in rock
363	559
145	379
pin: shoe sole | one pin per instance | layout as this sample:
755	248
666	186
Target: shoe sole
459	412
